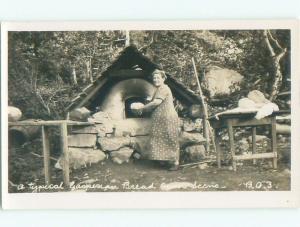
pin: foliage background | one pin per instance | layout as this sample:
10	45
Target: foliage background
42	65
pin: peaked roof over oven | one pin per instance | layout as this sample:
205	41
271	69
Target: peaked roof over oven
130	64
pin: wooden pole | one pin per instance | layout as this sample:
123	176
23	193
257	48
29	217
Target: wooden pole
64	148
218	148
231	143
127	42
254	143
46	154
274	142
205	114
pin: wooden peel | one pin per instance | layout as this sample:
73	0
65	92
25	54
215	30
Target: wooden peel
207	129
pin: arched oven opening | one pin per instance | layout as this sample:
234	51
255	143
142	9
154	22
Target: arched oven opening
128	111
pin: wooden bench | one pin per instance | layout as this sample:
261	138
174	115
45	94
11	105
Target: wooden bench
245	119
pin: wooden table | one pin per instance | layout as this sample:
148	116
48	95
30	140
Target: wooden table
245	119
63	125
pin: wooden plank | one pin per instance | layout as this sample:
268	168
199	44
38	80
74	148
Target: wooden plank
84	130
48	123
236	122
46	154
231	143
254	143
64	148
254	156
197	163
245	114
250	122
79	123
283	129
82	140
274	142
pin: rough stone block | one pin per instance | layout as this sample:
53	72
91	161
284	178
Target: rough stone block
82	140
114	143
187	138
122	155
82	157
79	114
195	153
136	126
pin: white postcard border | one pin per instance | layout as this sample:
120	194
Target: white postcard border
107	200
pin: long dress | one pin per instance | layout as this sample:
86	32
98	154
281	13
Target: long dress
164	144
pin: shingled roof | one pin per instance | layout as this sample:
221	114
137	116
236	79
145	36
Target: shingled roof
129	58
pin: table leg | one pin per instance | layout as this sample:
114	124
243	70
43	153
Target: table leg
218	149
274	142
64	147
254	143
231	144
46	154
206	134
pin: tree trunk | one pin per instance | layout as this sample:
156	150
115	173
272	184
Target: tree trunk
277	78
89	76
90	71
276	69
74	76
34	76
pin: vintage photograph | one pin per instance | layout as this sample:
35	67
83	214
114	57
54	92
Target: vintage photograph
149	110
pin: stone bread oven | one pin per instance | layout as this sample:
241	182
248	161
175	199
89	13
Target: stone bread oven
117	131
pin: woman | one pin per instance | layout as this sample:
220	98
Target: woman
164	144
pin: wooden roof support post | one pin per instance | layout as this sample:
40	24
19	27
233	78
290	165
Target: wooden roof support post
206	125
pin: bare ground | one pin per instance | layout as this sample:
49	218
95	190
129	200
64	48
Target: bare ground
143	175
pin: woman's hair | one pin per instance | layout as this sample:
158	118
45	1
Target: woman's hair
161	72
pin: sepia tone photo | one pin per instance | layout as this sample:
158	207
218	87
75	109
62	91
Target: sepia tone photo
149	110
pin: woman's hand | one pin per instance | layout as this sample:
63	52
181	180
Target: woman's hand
137	108
139	111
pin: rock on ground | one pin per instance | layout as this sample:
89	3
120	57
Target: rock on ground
195	153
80	114
101	117
187	138
14	114
122	155
81	157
